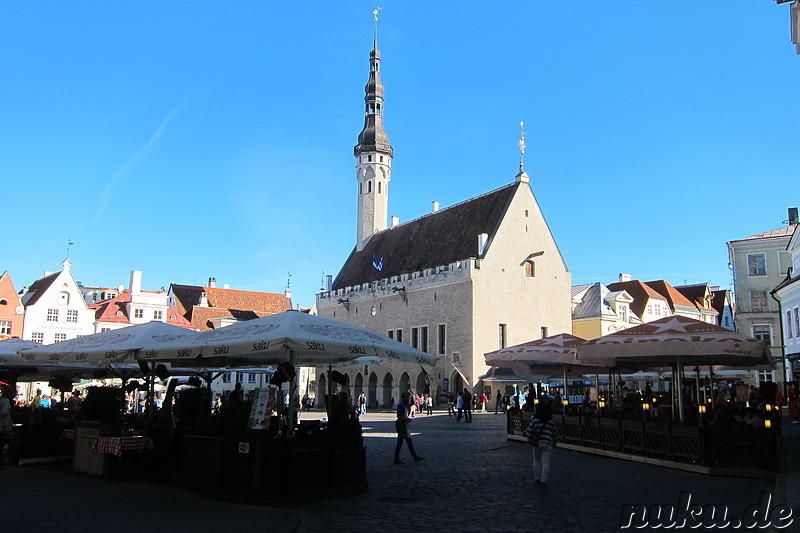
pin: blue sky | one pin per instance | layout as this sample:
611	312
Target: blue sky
195	139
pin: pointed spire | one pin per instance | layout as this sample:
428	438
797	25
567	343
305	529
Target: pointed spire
373	138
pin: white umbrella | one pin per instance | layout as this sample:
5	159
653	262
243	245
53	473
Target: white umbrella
549	355
113	346
675	340
289	337
16	361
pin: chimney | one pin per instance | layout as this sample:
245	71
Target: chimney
136	282
212	282
226	286
483	239
120	288
328	282
395	221
434	206
624	277
203	299
793	215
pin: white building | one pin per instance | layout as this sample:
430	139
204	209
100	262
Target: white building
55	309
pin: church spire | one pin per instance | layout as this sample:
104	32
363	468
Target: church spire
373	137
373	153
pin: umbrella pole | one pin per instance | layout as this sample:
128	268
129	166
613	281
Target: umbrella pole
291	410
680	390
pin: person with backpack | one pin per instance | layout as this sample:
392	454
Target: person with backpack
542	435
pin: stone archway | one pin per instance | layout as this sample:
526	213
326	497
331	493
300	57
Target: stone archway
372	391
457	382
388	383
358	386
423	385
405	383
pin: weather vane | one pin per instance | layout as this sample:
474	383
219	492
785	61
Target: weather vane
375	13
522	144
69	243
288	279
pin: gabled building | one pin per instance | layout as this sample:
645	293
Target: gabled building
678	303
598	311
722	302
648	304
136	306
701	296
55	309
12	313
759	264
210	307
457	282
787	294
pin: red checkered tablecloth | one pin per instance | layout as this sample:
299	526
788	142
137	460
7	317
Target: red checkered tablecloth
116	445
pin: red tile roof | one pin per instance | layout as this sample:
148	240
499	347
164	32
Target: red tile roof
115	310
670	293
243	305
785	231
639	292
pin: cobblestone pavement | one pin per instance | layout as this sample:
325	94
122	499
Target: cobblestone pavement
472	479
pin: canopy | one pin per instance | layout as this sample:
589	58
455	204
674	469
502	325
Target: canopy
113	346
555	354
270	340
14	362
675	340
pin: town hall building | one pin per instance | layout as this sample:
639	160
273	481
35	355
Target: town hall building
457	282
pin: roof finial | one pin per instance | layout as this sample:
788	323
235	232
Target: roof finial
522	176
375	14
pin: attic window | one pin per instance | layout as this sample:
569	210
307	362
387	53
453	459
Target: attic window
172	317
530	269
119	313
3	301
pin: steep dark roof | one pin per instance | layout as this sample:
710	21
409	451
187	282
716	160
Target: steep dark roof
439	238
719	301
38	288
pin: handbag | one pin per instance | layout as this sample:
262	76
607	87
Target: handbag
534	440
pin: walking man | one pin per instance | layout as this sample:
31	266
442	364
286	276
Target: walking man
403	434
467	405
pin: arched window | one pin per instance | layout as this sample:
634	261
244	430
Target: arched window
530	269
379	187
63	298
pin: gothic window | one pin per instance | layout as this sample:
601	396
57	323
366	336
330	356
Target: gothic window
502	336
442	338
369	186
379	187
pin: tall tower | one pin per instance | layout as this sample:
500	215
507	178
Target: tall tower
373	155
